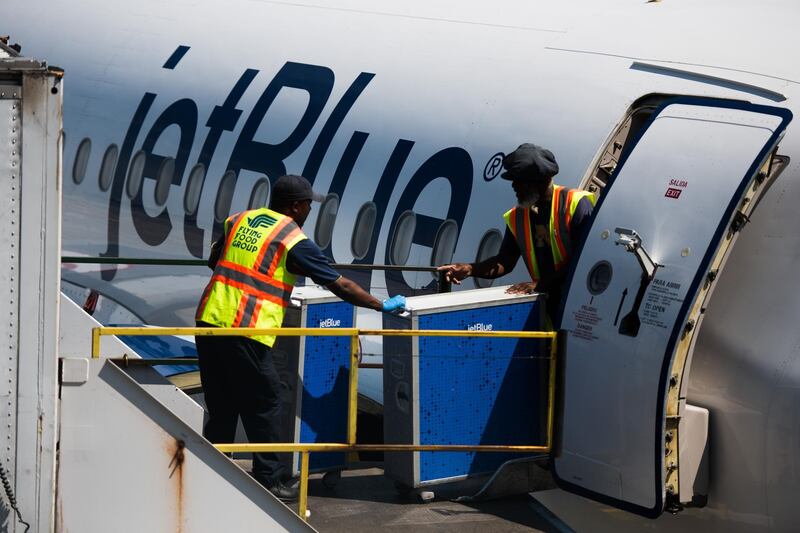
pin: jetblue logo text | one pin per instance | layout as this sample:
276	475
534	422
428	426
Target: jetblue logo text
206	125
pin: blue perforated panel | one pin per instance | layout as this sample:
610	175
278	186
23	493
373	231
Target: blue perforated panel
325	382
479	390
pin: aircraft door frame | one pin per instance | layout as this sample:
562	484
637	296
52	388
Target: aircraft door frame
601	338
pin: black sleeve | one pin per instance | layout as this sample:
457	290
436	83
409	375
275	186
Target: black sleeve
216	251
509	251
580	218
306	259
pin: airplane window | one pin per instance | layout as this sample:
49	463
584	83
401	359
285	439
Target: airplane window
488	247
599	277
403	235
260	194
194	186
135	172
362	232
444	245
108	166
81	160
323	232
163	180
224	195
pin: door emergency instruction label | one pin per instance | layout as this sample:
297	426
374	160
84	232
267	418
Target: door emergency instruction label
586	318
661	303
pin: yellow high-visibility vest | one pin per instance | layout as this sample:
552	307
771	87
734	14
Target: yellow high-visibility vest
562	207
251	287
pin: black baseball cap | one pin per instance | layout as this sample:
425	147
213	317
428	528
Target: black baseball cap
291	188
530	163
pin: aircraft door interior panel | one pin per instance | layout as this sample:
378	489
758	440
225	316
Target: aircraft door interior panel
664	221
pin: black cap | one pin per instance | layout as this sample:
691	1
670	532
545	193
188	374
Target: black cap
291	188
530	163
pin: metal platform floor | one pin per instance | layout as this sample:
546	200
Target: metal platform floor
366	501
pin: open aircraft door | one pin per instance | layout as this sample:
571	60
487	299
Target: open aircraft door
659	235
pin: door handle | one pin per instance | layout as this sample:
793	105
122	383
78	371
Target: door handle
632	242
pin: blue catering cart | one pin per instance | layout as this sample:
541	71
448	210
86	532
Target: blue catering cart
463	390
314	373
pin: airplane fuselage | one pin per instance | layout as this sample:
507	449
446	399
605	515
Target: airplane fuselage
190	109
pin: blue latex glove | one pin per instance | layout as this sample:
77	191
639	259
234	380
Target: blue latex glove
395	304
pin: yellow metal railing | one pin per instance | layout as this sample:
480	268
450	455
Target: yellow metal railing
306	448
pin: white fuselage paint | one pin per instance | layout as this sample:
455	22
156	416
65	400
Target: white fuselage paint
482	78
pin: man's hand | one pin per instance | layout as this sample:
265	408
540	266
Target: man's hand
456	272
526	287
395	304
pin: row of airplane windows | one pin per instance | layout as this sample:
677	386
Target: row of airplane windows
402	238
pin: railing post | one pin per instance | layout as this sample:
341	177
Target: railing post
303	504
352	404
551	390
95	343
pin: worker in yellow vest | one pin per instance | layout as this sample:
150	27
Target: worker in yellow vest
544	228
255	264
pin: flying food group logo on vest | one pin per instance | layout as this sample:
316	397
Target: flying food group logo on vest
260	221
247	239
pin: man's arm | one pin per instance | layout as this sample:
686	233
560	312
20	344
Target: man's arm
306	259
490	268
580	221
349	291
216	251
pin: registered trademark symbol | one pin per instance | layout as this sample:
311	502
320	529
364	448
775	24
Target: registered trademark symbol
493	166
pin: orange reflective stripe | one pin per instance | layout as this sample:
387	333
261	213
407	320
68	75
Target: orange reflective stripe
530	253
243	290
275	233
526	233
557	228
512	222
281	250
259	279
226	226
518	220
568	208
256	311
276	249
561	238
240	310
249	308
234	229
203	301
283	302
